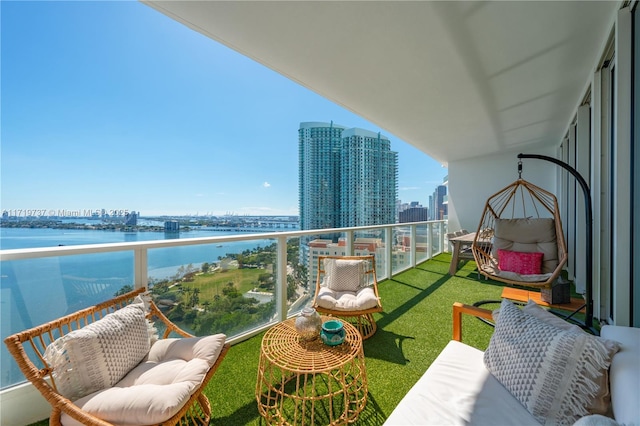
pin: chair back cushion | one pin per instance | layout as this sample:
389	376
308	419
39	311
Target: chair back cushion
531	235
344	274
98	355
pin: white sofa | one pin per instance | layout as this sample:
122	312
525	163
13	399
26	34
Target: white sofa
459	389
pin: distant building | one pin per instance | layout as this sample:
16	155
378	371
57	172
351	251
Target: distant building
171	226
413	214
439	211
131	219
347	177
432	208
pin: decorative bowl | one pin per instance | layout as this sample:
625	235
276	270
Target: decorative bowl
332	333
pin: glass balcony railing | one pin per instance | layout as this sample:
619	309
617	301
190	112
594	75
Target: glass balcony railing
237	284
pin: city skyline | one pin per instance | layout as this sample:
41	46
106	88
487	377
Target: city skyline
113	105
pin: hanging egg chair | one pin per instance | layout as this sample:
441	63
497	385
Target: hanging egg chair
520	239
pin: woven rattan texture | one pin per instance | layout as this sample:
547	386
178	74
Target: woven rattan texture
27	348
308	383
362	319
283	347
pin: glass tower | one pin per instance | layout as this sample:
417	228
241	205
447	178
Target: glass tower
347	177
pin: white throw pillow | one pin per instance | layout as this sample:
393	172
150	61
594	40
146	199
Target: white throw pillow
344	274
554	373
98	355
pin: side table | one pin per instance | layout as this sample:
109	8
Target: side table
309	383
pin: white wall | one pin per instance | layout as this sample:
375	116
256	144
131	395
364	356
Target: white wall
21	405
473	181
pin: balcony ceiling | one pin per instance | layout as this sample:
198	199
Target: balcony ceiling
455	79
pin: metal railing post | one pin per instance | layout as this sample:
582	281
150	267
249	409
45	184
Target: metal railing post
348	243
388	251
140	268
281	285
429	240
412	249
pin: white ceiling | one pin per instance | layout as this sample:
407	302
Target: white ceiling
455	79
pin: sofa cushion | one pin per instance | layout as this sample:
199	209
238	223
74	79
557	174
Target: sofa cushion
596	420
96	356
344	274
624	373
457	389
365	298
554	373
157	388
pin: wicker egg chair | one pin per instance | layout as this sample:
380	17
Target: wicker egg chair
521	219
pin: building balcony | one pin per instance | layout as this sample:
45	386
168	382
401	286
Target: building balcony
41	284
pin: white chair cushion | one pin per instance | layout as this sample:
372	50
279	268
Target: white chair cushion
365	298
158	387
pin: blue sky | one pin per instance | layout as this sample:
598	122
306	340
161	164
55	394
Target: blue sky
113	105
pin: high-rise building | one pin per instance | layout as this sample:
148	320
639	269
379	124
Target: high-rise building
440	207
413	214
347	177
319	175
368	179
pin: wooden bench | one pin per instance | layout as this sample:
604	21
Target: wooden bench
164	385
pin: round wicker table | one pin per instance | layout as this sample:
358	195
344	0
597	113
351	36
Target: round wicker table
310	383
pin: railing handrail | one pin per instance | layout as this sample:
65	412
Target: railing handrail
39	252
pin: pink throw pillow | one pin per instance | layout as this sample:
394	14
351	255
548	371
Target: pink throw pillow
520	262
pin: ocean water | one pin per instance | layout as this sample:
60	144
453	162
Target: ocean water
35	291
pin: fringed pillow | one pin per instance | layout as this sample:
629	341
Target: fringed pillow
554	373
98	355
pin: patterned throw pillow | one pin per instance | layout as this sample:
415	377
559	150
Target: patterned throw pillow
520	262
554	373
601	404
98	355
344	274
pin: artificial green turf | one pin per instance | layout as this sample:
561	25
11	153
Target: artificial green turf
415	326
